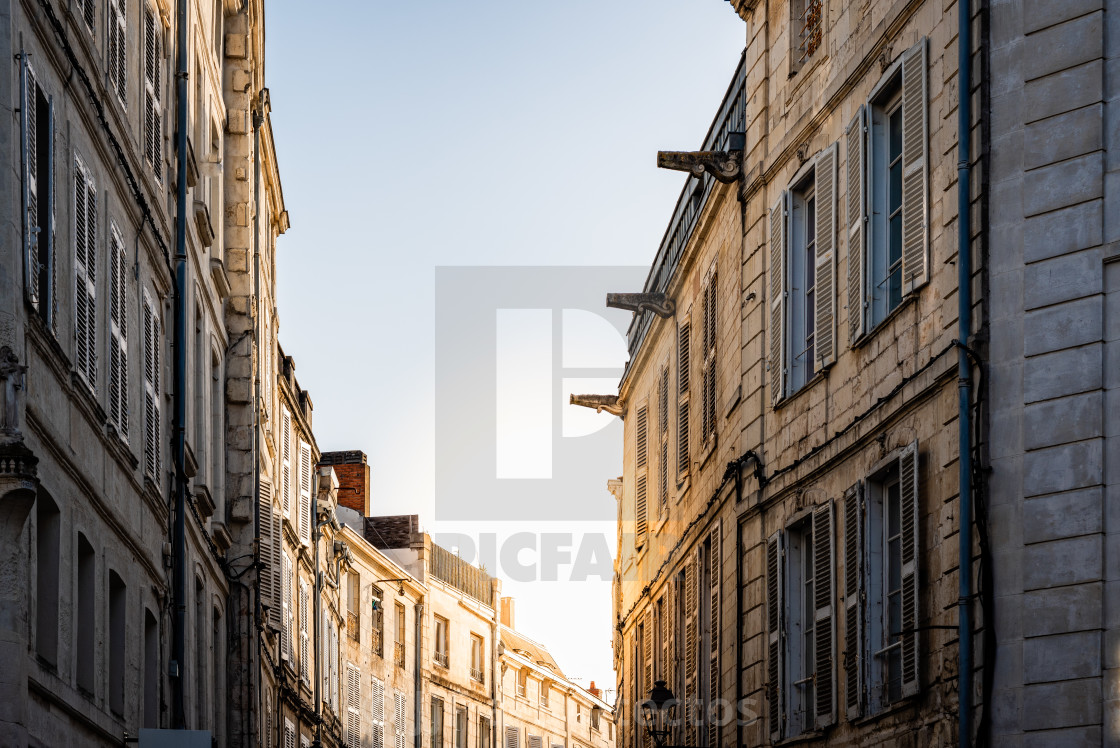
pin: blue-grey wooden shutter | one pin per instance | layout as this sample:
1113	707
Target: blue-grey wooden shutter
825	297
854	637
915	169
854	170
824	620
778	298
908	490
775	638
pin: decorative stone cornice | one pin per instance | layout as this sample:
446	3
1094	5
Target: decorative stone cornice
742	7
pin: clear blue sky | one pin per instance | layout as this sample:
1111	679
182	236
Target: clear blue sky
418	134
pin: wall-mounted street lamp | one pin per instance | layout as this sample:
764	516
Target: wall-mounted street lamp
400	589
658	713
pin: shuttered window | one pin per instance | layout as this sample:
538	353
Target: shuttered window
289	735
684	335
377	713
286	462
153	443
88	10
714	578
663	441
353	707
37	142
286	615
305	492
708	367
513	737
153	108
270	566
118	46
803	277
641	508
85	273
691	644
399	724
304	634
118	333
887	175
855	638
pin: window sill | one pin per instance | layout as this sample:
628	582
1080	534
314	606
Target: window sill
887	711
707	452
909	299
803	738
820	376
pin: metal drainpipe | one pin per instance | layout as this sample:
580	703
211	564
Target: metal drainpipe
418	709
964	368
258	120
179	672
316	624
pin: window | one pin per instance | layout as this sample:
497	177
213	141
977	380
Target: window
198	401
807	32
803	277
534	741
304	637
48	522
460	727
202	649
271	575
152	442
353	707
544	693
378	623
478	659
217	430
354	606
287	616
377	713
579	712
801	676
218	673
513	737
710	604
522	682
440	643
684	334
88	10
596	715
398	646
708	365
399	720
437	722
85	271
153	110
305	492
37	122
887	203
118	333
286	462
289	734
881	597
663	441
483	732
217	33
151	670
86	623
118	605
641	510
118	46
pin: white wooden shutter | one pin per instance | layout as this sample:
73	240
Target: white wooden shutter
854	637
775	632
268	548
824	620
684	333
642	436
89	11
286	605
289	735
118	333
855	170
915	169
691	667
118	44
640	511
153	109
304	654
286	462
647	655
716	572
85	263
152	440
825	295
399	725
908	490
778	299
353	707
377	713
710	327
32	232
535	741
305	492
663	440
513	737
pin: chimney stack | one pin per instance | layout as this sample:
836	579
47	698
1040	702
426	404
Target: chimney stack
507	613
353	478
596	692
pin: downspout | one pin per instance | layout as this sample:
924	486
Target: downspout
495	664
418	707
964	369
179	554
258	120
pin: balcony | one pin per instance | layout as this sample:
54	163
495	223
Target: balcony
398	653
440	659
353	626
731	118
378	642
476	674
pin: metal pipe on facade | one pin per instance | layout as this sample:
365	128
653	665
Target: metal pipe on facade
258	120
964	368
418	679
179	542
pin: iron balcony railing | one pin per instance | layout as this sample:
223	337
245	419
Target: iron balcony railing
476	674
449	568
398	653
441	659
731	118
353	626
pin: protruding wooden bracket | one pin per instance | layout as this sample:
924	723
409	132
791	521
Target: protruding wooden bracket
658	303
609	403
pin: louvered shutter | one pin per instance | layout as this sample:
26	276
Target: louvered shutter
377	713
535	741
908	490
286	462
690	646
670	622
289	735
854	169
663	439
30	143
304	654
778	299
118	334
631	704
716	573
775	637
89	10
825	293
710	369
513	737
642	436
286	605
153	110
305	492
267	545
824	621
647	655
353	707
915	168
640	512
118	44
853	603
665	670
152	441
399	724
683	364
85	256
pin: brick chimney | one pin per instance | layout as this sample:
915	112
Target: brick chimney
353	478
596	692
507	613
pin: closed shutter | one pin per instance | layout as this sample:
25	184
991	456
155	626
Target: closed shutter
37	126
915	168
118	334
399	724
825	294
708	369
85	256
286	462
305	492
908	491
640	512
353	707
535	741
778	299
854	170
853	603
118	44
716	572
267	552
666	666
152	441
824	621
513	737
690	646
286	605
683	372
289	735
647	656
89	10
304	654
663	440
775	637
631	704
377	713
153	109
